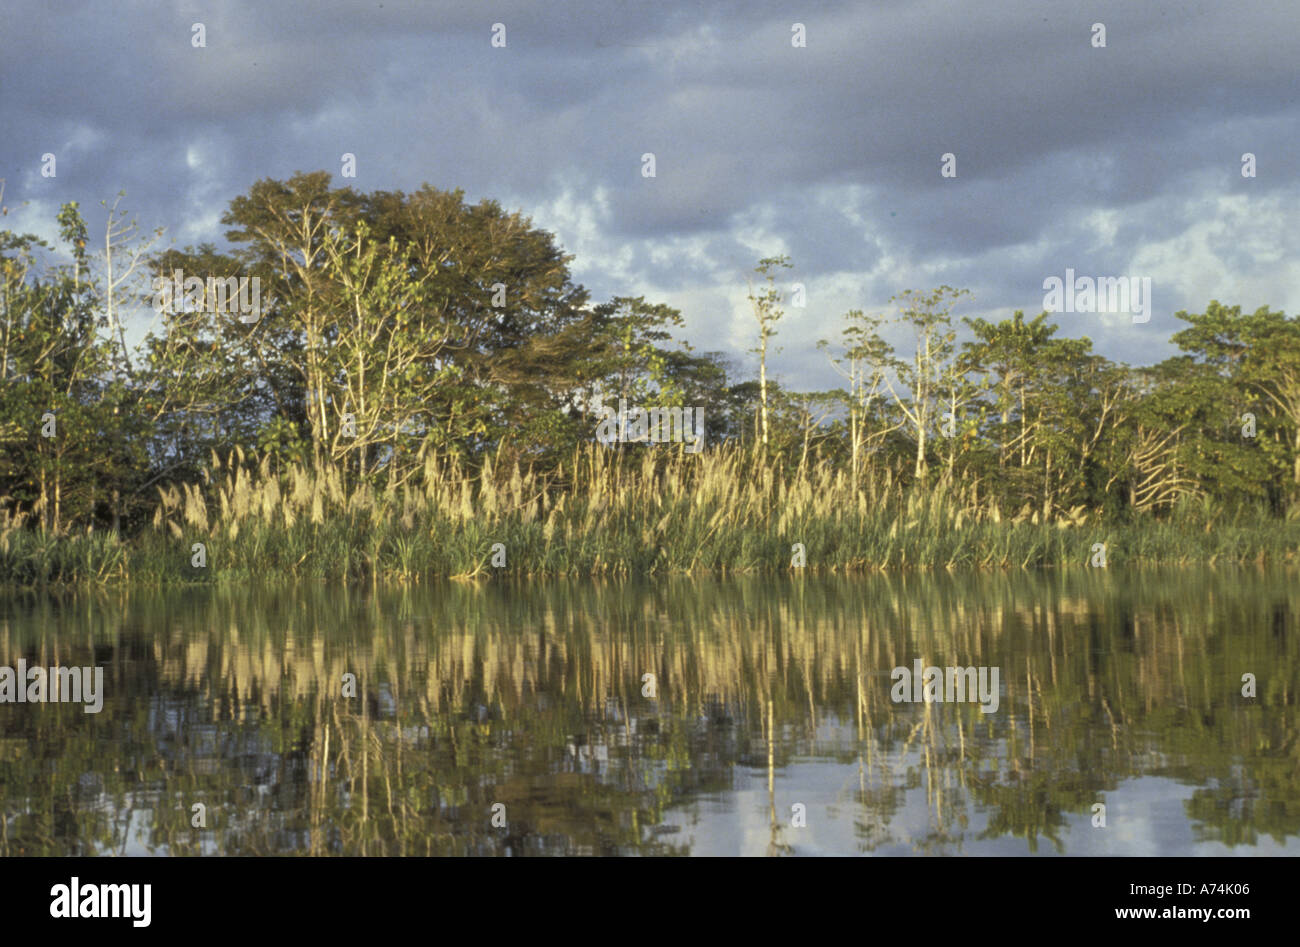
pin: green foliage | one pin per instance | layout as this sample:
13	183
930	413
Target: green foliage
400	334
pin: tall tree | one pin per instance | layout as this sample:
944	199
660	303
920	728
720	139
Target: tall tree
767	313
930	316
864	361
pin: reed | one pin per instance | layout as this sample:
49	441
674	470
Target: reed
605	513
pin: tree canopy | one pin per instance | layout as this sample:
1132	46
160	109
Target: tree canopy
392	328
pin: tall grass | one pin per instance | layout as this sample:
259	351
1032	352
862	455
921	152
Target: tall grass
604	514
28	557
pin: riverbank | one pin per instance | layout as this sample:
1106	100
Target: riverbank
607	518
441	550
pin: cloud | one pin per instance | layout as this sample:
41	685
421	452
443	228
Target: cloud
1115	161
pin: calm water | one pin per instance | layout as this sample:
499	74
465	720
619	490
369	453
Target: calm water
770	729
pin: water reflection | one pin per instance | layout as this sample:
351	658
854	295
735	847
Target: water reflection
768	695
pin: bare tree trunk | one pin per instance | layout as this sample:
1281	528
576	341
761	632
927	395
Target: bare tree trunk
1047	487
952	440
855	436
58	498
44	501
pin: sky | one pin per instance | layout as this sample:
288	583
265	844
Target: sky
1122	160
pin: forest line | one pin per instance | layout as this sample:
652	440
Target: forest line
423	359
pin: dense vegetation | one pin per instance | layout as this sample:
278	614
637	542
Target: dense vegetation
423	380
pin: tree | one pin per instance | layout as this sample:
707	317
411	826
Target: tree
865	361
59	414
767	313
1009	353
1249	364
499	318
930	315
385	356
633	334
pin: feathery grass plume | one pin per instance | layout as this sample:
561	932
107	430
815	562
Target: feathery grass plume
466	509
300	486
333	485
270	498
606	512
317	504
196	511
240	493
